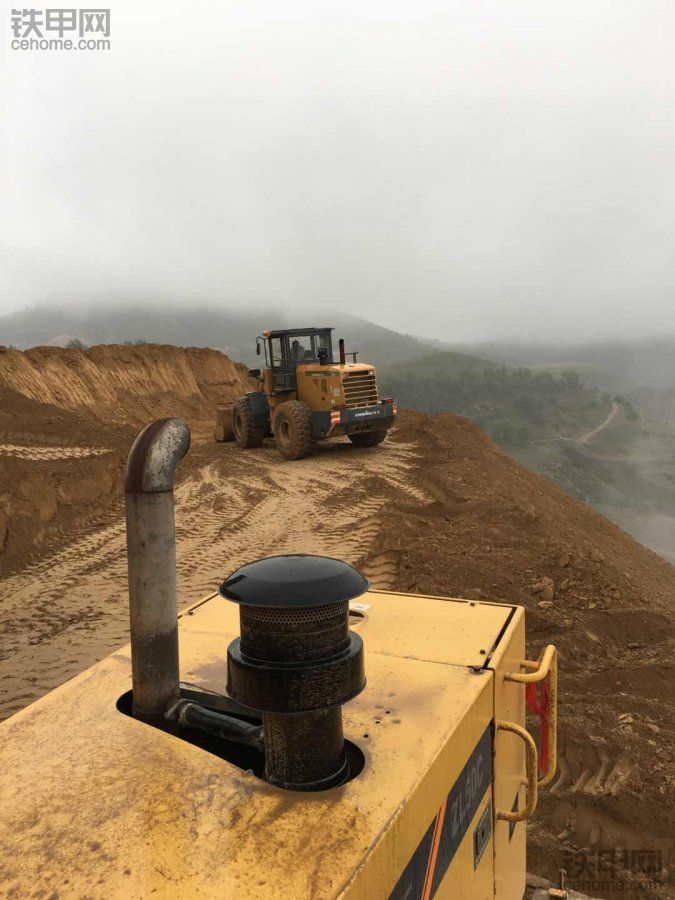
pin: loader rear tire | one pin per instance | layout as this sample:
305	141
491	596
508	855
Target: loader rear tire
246	432
293	430
368	438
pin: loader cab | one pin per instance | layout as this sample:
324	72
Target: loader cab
286	350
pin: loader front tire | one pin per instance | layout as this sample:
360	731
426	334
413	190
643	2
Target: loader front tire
246	432
293	430
368	438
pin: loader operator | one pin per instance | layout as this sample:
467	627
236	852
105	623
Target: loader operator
297	351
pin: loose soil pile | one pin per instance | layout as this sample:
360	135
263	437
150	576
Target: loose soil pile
436	509
67	418
125	384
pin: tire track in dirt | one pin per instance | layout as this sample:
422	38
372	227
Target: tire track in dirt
51	453
65	612
252	505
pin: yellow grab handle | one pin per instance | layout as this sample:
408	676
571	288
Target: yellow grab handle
531	763
547	665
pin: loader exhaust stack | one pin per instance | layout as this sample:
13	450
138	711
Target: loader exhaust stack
151	554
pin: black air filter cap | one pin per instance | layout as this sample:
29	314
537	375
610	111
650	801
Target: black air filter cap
294	581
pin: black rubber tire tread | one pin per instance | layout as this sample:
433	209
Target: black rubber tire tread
299	418
367	438
246	432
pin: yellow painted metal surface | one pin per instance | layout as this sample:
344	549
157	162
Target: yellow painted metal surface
323	387
439	629
320	387
433	629
96	804
381	868
510	838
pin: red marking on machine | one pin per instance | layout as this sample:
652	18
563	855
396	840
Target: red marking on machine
540	705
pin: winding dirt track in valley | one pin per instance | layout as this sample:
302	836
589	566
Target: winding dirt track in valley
588	437
70	609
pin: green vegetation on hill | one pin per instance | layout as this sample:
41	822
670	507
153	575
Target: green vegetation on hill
550	408
443	362
514	405
617	365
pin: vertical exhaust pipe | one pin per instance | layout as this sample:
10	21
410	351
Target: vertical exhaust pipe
151	555
341	345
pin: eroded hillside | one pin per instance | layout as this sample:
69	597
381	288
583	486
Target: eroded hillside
124	384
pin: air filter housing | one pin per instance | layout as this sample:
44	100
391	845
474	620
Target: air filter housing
297	662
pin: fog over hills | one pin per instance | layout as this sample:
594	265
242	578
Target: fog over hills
639	361
231	330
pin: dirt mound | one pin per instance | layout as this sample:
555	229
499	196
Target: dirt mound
125	384
438	508
67	418
27	421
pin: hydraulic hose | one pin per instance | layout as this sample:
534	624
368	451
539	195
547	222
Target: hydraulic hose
191	714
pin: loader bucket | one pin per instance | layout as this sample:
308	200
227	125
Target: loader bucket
223	427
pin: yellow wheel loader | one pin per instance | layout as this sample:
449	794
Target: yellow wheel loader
304	396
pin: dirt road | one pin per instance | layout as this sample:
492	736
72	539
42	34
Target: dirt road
588	437
70	609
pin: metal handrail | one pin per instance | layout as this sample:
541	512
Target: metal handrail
547	665
531	763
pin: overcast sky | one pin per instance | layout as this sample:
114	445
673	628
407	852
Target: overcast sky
463	170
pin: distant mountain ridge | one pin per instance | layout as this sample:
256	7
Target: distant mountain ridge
229	330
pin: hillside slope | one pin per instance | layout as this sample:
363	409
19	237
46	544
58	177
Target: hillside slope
438	508
515	405
610	449
498	531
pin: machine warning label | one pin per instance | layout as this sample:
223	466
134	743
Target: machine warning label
430	861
